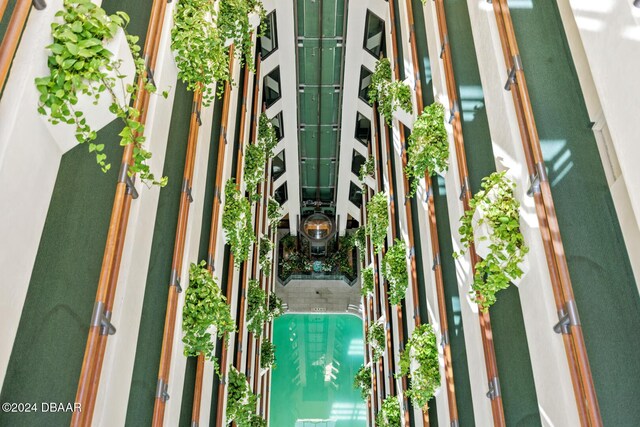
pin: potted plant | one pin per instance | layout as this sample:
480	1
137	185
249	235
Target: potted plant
389	414
241	402
256	308
367	281
390	95
377	220
394	269
267	355
492	224
199	50
419	360
362	382
204	307
428	149
236	223
264	258
93	56
377	340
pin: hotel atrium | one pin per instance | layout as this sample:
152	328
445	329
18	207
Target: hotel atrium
320	213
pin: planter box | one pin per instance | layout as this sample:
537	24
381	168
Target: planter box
406	118
98	115
482	240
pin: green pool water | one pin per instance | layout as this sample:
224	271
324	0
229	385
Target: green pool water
317	356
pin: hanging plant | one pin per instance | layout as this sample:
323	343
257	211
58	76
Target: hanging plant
376	339
421	352
236	223
362	382
257	421
267	355
367	281
378	220
204	307
264	258
256	308
495	211
390	95
276	307
254	174
273	213
234	25
428	146
366	169
360	242
80	66
201	56
267	137
389	415
394	269
241	402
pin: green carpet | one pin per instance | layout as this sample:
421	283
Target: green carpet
190	370
317	357
147	361
512	352
603	281
50	342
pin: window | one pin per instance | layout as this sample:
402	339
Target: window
277	125
374	35
363	129
269	41
271	87
365	81
278	166
355	195
357	161
281	195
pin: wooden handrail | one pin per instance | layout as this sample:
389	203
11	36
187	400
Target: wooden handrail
171	314
3	6
575	347
12	36
96	340
491	367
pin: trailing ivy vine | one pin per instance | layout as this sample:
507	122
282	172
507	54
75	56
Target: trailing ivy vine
499	209
257	155
376	339
366	169
367	281
394	269
256	308
378	220
273	213
236	222
267	137
267	355
201	56
80	65
241	402
390	95
389	415
359	238
264	258
362	382
204	307
428	146
276	307
421	351
234	25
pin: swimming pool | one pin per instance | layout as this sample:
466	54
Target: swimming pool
317	357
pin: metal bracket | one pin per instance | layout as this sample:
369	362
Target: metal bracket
196	110
150	78
186	189
161	390
568	316
436	261
517	66
123	176
445	338
455	423
454	109
412	252
193	423
536	178
211	262
416	314
101	317
39	4
175	280
494	388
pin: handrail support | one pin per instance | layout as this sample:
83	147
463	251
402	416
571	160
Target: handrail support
101	317
568	316
494	388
